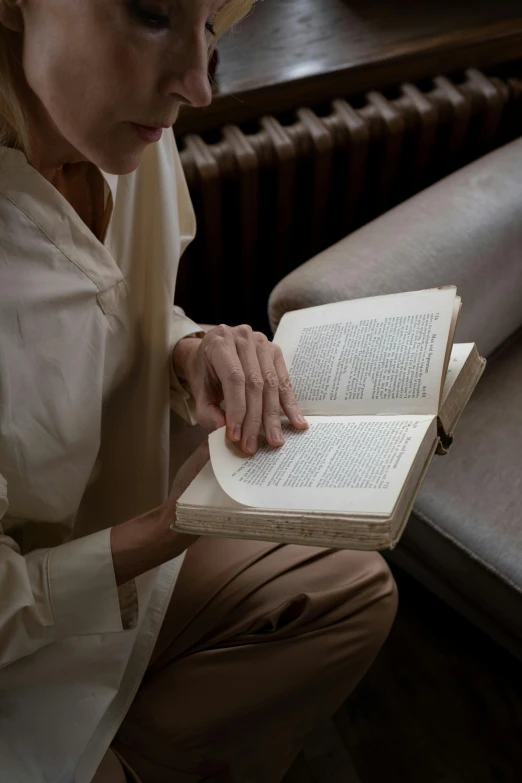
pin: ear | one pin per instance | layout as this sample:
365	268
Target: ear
11	15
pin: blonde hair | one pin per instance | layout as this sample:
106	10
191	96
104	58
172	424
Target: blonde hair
14	126
231	13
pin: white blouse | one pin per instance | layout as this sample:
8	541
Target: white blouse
86	335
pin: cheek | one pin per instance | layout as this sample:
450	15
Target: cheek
62	83
85	86
91	88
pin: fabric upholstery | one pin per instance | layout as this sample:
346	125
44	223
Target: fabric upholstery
466	230
465	537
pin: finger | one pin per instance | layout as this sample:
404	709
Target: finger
271	405
286	395
221	356
247	352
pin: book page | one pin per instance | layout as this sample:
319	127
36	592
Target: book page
347	464
382	354
206	492
459	356
457	307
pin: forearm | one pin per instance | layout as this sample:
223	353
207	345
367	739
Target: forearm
148	541
144	543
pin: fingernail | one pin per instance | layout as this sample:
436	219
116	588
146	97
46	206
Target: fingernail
252	444
236	435
301	420
277	435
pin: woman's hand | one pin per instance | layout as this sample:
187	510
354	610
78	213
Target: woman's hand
248	372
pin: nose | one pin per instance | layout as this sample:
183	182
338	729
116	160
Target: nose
187	73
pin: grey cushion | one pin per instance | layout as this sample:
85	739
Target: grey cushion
464	540
465	230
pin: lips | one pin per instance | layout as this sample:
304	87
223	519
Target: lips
148	133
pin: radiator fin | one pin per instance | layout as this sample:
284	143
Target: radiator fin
271	195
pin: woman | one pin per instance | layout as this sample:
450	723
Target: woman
196	660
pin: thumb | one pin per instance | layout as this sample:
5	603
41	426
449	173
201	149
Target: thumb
210	416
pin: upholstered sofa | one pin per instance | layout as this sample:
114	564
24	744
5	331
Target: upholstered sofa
464	539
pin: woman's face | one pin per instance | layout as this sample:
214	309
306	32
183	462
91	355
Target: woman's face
108	75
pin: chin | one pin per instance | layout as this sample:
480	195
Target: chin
113	153
115	149
119	163
117	160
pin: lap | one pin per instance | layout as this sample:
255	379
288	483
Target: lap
259	643
225	585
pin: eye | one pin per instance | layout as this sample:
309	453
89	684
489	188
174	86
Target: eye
148	16
209	27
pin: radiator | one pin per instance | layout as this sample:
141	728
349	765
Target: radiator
271	195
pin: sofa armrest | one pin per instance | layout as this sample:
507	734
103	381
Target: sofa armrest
465	230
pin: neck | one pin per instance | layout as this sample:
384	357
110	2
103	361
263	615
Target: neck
50	154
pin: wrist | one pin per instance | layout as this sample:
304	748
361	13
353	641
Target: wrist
144	543
183	354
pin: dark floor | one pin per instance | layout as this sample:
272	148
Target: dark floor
442	704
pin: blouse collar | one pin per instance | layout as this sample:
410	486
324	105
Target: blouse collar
25	187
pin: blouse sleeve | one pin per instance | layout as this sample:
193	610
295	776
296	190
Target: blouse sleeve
68	590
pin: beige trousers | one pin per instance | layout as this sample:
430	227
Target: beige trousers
261	643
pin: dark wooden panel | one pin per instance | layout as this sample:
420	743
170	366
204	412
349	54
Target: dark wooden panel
283	40
296	52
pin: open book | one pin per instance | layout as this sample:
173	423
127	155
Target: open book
382	386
